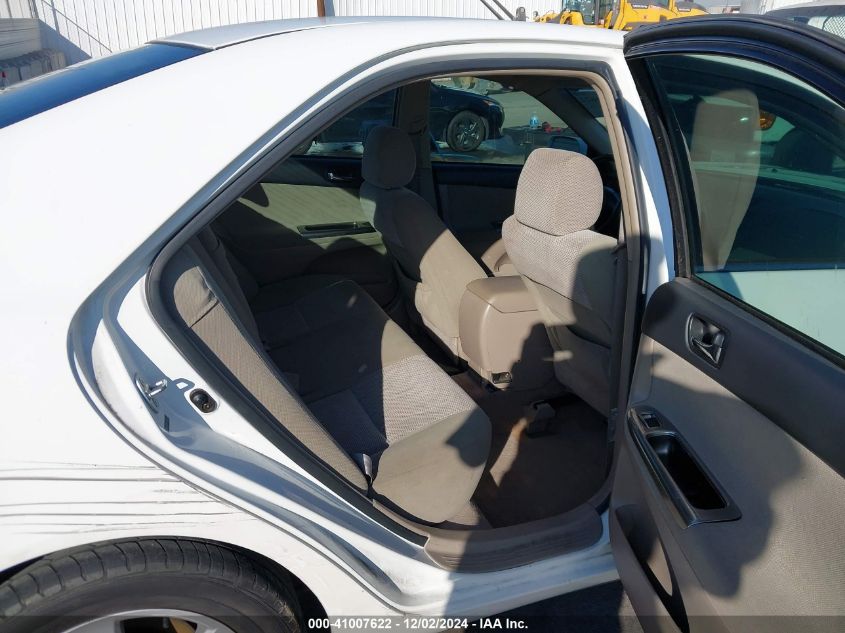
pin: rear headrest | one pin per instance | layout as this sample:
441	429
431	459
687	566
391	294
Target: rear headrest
389	159
559	192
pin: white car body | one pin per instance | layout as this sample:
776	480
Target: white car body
82	460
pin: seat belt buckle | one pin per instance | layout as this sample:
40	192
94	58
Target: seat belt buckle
365	463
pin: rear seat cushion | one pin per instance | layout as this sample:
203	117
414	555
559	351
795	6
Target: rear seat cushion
377	393
431	475
363	385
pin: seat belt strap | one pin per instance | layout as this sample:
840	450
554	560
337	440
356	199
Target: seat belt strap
414	120
426	176
423	181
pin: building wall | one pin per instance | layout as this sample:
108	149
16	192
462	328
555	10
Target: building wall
18	37
14	9
761	6
441	8
93	28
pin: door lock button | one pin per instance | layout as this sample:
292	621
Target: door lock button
650	420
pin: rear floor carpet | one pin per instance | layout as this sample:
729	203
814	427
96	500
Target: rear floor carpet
530	478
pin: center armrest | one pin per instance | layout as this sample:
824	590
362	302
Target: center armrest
505	294
502	334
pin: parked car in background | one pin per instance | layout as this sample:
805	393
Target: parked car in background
460	118
827	15
463	119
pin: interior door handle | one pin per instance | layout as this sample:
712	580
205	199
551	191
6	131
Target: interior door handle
706	339
338	178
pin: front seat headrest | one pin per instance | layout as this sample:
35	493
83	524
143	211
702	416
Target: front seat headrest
559	192
802	151
389	160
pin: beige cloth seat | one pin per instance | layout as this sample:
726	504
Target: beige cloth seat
488	248
569	268
725	132
322	359
432	266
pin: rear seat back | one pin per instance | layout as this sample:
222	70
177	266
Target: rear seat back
369	389
205	305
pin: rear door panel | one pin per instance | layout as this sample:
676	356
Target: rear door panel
782	555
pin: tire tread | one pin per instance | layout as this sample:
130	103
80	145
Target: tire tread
93	564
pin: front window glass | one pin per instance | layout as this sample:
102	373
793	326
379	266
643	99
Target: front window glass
766	152
605	7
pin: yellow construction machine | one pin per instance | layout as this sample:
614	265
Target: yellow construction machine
621	15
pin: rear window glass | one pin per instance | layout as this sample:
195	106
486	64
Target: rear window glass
43	93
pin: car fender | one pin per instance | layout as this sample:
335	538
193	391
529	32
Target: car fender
135	501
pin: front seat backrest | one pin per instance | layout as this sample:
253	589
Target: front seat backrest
433	268
569	268
725	153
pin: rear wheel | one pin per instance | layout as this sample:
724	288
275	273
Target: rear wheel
466	131
148	586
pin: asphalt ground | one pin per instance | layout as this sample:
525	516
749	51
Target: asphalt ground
601	609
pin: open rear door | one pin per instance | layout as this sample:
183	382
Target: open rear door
728	506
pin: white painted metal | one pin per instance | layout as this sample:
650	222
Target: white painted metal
218	37
82	458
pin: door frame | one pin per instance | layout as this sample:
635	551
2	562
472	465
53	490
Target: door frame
603	66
